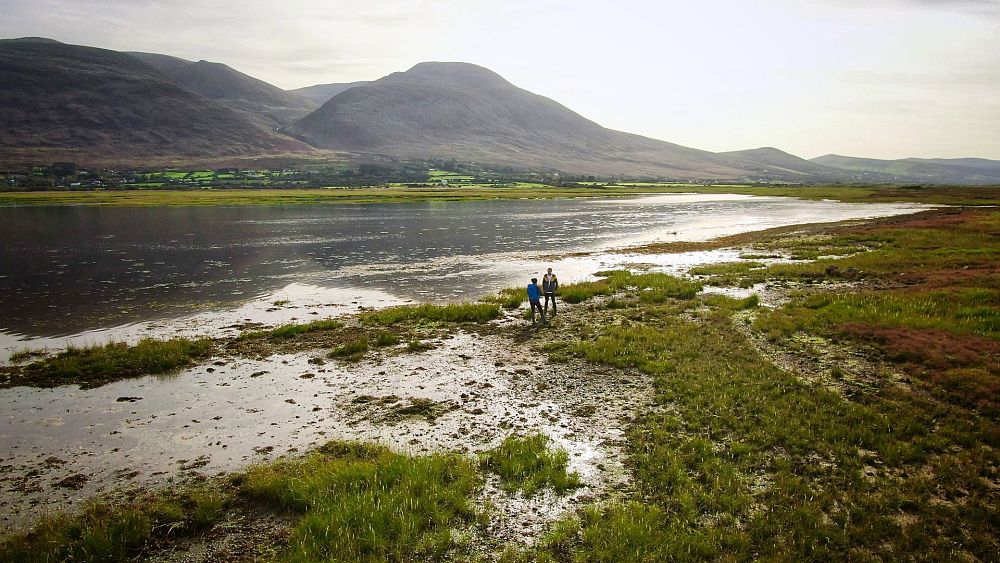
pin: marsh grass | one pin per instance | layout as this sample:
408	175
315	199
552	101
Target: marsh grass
383	339
427	313
940	318
351	351
27	354
649	287
93	366
291	330
745	460
415	346
105	531
364	503
528	463
509	298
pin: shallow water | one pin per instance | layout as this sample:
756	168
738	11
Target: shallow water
89	274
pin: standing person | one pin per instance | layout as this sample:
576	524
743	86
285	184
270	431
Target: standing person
534	297
549	286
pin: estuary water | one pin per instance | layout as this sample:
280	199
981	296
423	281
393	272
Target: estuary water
123	272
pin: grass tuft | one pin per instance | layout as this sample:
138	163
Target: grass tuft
527	463
365	503
452	313
104	531
94	366
351	351
290	330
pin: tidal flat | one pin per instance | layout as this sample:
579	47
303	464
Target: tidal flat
832	394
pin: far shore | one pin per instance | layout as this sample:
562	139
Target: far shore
944	195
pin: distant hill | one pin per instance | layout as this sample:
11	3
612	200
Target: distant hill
917	170
271	105
321	93
67	101
467	112
771	163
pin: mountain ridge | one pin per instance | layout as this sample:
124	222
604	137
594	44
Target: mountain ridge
264	102
70	102
63	101
464	111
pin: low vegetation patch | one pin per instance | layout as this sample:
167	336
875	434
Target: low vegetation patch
364	503
527	463
650	287
290	330
509	298
452	313
105	531
93	366
351	351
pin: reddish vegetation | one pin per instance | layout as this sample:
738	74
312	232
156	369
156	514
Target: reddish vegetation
965	367
947	218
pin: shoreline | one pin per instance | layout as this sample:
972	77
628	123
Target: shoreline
946	195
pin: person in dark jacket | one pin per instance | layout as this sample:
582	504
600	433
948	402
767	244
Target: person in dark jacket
549	286
535	299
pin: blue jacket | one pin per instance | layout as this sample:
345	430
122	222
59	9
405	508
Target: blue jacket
534	294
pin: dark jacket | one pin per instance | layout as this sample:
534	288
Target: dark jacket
550	285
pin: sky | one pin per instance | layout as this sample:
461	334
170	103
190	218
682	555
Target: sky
872	78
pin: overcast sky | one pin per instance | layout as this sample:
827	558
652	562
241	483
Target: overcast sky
875	78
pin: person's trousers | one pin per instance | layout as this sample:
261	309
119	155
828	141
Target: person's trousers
551	296
537	305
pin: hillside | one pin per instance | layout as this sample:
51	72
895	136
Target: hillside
466	112
772	163
917	170
321	93
271	105
72	102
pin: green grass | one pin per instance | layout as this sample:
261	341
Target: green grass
526	463
973	311
104	531
452	313
417	346
649	288
727	273
94	366
290	330
747	461
383	339
509	298
351	351
364	503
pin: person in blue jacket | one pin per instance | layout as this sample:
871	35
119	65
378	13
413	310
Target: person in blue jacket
535	298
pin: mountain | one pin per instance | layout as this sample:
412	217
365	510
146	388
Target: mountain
71	102
466	112
917	170
321	93
269	104
770	162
